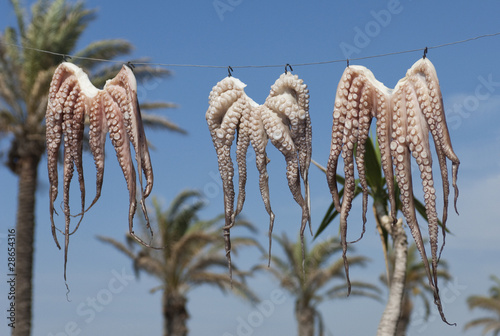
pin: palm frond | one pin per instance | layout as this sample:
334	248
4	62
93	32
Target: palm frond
116	244
484	302
141	261
321	252
154	121
490	324
223	282
158	105
179	201
20	15
188	246
102	49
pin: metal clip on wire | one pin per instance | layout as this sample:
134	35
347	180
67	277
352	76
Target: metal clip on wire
130	65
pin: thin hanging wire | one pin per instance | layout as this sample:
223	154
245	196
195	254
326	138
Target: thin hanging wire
344	60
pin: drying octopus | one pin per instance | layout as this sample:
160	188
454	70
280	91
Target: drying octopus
283	119
405	116
114	109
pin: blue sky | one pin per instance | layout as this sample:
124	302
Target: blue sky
257	32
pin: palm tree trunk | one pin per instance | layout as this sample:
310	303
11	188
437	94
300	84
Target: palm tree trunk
305	319
175	314
405	317
27	169
389	321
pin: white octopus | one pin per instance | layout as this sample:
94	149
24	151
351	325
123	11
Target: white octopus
405	116
284	119
115	109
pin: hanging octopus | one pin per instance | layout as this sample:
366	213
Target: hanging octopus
405	116
115	109
284	119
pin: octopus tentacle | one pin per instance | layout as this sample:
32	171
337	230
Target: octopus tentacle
61	86
339	116
97	139
363	121
242	144
384	109
259	141
72	128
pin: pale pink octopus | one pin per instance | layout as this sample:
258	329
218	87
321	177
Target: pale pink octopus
405	116
115	109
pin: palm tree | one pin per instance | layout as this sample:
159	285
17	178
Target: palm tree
25	75
377	190
416	285
312	280
490	303
189	259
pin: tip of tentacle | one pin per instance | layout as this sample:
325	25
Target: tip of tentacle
454	183
302	229
54	233
437	302
147	190
271	225
269	253
303	256
362	232
346	268
308	204
146	217
143	243
306	218
96	198
66	243
227	241
67	289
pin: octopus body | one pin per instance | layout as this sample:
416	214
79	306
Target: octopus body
115	109
284	119
405	117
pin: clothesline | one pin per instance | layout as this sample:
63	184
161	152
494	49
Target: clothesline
345	60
